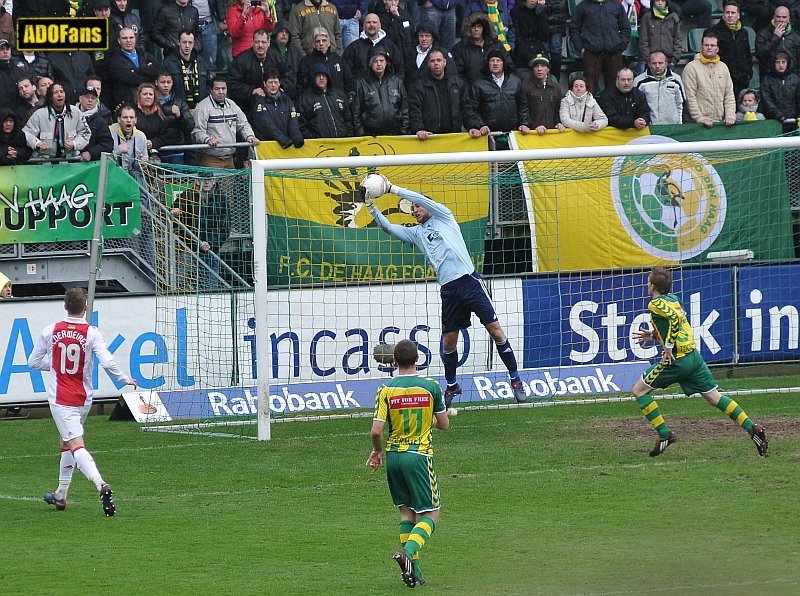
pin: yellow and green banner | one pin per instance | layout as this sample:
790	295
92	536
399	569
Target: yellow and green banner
604	213
319	230
56	203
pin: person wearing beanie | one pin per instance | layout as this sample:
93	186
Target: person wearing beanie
380	103
709	87
543	97
734	46
498	103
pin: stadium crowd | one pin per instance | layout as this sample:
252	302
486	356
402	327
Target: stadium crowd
337	68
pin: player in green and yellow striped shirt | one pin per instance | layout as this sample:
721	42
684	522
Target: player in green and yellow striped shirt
680	363
409	406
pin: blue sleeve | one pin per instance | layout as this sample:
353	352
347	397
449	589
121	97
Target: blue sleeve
400	232
437	209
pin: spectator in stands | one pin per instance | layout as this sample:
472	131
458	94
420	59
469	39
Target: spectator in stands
748	106
218	121
56	129
435	102
71	69
14	149
417	61
734	46
324	109
624	105
699	9
28	101
498	14
709	88
780	92
173	17
579	109
150	118
659	31
372	38
98	119
338	73
189	71
121	18
7	23
130	143
663	89
42	85
246	72
532	31
497	101
102	10
558	25
307	15
287	57
350	13
380	103
778	35
471	51
543	96
274	117
212	21
396	22
5	287
127	69
600	31
244	20
442	14
36	64
180	121
10	73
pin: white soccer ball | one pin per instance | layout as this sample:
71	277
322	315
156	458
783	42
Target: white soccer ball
375	185
452	412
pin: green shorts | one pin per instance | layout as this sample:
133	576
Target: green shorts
690	372
412	481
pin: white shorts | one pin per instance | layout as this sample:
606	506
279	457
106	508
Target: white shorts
69	420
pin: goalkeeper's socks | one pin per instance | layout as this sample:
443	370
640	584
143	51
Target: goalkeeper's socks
735	412
86	464
507	356
450	361
649	408
421	533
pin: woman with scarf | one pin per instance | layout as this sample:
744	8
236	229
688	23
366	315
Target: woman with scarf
579	109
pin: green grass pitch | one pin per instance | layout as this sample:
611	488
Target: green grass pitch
559	500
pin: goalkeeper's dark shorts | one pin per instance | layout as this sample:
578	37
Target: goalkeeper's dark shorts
462	297
412	480
690	372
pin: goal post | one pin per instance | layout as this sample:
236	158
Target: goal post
563	237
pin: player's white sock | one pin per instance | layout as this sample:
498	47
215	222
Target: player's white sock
65	473
86	465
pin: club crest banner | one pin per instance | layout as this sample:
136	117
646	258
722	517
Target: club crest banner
315	218
635	211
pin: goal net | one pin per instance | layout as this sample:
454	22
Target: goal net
563	236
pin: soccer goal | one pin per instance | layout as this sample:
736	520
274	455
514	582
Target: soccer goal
563	236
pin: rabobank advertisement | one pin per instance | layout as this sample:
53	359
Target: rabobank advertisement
572	334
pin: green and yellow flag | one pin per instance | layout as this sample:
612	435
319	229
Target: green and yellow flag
635	211
319	230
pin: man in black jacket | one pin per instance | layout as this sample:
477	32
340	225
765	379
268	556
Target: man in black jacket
324	109
190	72
357	55
471	52
98	119
274	117
434	102
380	103
171	19
543	96
625	105
338	72
247	71
127	69
497	101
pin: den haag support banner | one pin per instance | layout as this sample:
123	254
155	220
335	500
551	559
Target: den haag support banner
320	231
637	211
56	203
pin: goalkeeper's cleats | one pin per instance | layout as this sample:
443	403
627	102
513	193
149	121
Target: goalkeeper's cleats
53	499
406	568
450	393
759	437
519	390
662	443
107	499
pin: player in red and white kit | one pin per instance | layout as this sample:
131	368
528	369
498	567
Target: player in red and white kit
67	349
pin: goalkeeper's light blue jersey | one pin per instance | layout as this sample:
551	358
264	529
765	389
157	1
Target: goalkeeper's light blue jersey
439	238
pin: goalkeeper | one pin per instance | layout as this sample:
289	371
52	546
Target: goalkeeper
680	363
438	236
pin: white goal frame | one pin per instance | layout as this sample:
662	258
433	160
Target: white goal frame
260	167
